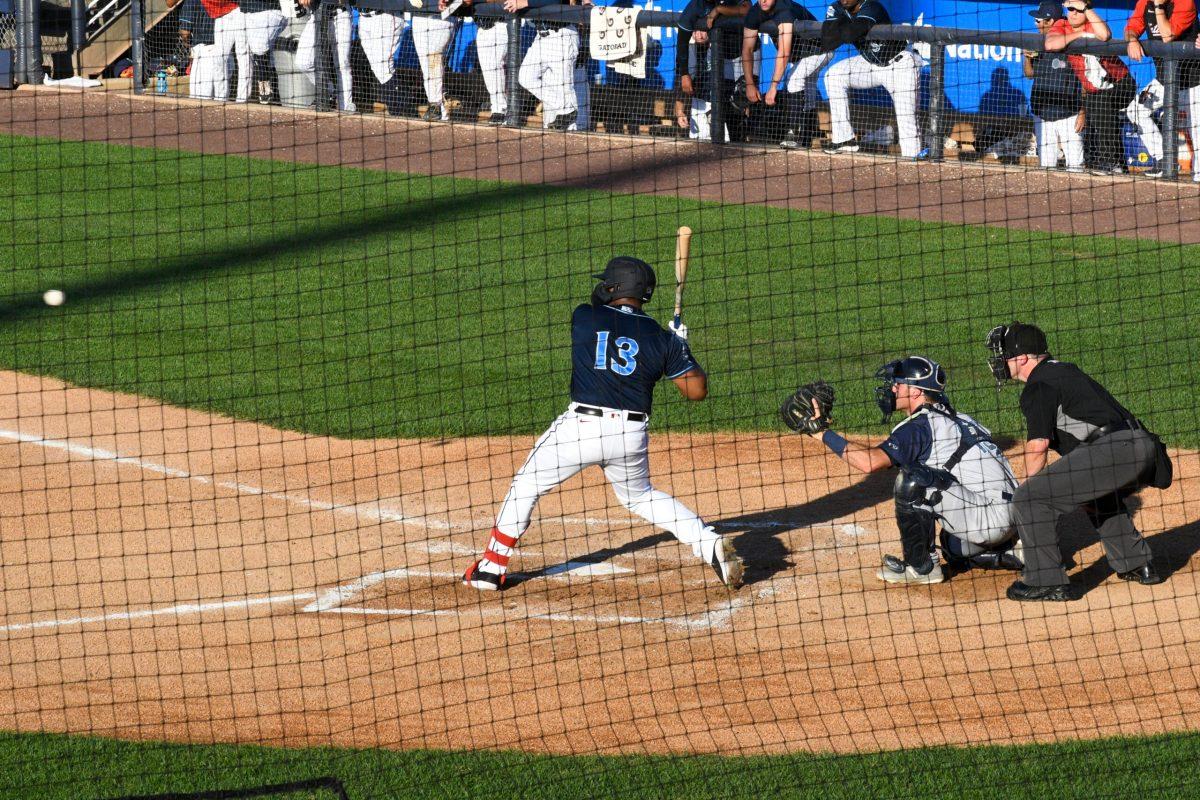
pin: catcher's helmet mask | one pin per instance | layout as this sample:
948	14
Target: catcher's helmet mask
918	371
625	276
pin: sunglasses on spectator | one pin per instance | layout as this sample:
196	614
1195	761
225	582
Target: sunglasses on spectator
1076	10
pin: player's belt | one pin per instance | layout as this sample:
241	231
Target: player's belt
1116	427
592	411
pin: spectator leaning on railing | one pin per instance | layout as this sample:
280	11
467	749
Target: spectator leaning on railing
1107	86
1170	21
1056	99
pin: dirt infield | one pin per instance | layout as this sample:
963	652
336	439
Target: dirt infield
951	192
170	574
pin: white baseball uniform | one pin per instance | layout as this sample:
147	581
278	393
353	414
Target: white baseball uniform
1055	135
548	72
229	32
491	44
900	76
207	71
380	33
339	30
431	37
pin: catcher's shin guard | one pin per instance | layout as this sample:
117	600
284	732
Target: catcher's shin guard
916	521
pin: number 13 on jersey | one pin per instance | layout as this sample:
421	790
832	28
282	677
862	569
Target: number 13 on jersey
625	361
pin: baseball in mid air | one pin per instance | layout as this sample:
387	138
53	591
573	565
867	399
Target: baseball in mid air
54	297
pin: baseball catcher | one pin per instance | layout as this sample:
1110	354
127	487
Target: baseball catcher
951	472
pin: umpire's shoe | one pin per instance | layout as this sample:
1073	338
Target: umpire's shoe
1146	575
894	570
478	579
727	564
1023	591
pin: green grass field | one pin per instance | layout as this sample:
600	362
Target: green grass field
370	304
49	767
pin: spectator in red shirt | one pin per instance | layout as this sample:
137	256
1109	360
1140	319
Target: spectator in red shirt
1164	21
1107	86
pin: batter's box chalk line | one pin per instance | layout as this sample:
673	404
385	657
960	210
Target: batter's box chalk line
334	601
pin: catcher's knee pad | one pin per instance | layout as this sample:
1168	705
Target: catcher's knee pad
914	518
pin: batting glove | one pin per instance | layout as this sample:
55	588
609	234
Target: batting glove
679	329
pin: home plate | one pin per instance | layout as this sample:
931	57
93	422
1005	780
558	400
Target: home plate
585	568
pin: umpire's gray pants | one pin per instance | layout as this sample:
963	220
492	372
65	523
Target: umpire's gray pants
1104	472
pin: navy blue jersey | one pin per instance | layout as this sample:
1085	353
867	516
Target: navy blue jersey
617	355
879	53
784	11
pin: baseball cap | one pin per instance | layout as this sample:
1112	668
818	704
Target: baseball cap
1021	339
1048	9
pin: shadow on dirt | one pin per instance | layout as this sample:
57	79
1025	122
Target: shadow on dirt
759	545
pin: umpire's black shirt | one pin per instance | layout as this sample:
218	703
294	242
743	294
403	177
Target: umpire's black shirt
1062	404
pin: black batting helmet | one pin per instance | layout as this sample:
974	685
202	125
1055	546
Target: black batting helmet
625	276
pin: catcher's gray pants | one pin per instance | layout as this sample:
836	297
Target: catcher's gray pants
1100	474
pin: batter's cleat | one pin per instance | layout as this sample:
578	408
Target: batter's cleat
727	564
894	570
479	579
848	146
496	119
1146	575
1023	591
789	141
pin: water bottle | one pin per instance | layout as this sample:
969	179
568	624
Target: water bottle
160	83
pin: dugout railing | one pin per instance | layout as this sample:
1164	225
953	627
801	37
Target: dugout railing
937	38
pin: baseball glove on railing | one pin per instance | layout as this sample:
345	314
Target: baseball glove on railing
808	408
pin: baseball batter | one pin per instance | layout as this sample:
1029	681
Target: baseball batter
618	354
950	472
890	64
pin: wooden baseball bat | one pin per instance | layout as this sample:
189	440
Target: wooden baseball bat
683	246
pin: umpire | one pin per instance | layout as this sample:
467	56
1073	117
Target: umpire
1107	455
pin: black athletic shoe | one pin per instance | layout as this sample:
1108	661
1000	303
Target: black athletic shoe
563	121
1023	591
433	113
478	579
496	119
790	141
848	146
1146	575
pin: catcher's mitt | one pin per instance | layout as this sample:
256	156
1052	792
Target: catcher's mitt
808	408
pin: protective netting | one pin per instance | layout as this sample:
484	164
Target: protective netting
526	401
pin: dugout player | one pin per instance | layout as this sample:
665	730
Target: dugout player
554	70
431	38
208	67
379	33
491	45
802	55
692	74
338	30
1106	456
891	64
1169	21
618	354
950	472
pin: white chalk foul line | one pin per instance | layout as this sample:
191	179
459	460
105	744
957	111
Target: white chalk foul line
175	610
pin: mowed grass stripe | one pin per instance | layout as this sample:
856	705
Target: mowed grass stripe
358	303
49	766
